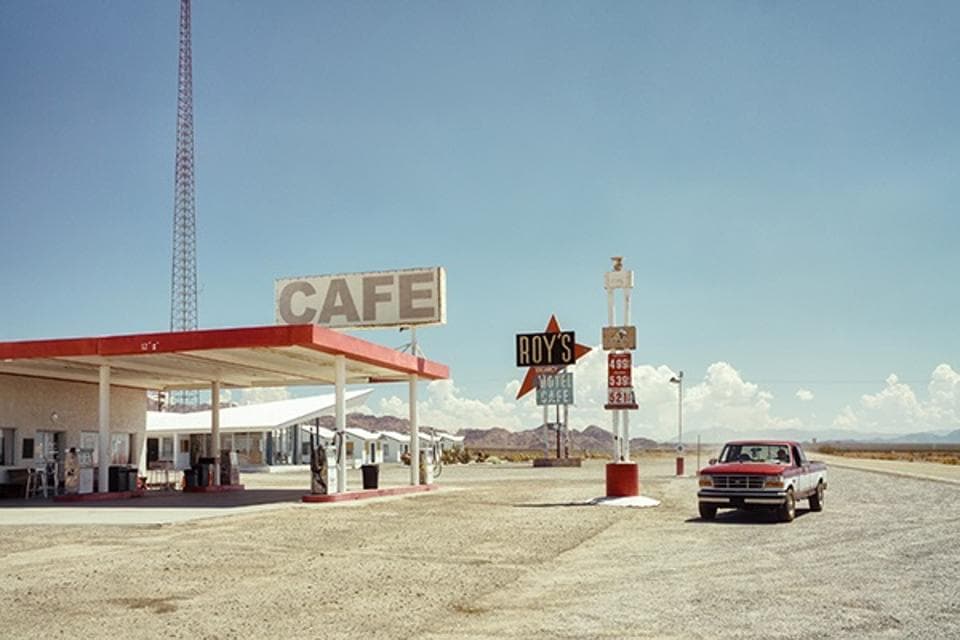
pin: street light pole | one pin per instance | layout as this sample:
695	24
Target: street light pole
678	380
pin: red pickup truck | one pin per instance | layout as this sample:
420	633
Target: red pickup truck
761	474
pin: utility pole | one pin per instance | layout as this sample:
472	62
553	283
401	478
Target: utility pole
678	380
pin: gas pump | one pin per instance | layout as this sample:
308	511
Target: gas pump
426	466
437	455
323	466
71	472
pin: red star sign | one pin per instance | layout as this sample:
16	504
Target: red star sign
530	380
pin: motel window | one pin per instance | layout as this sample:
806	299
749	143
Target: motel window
166	448
349	449
90	440
49	444
7	442
120	448
27	453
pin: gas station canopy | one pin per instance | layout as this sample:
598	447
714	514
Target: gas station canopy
271	356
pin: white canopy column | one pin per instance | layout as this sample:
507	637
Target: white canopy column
215	429
340	379
103	460
414	433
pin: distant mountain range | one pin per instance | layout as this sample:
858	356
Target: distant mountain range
593	438
720	434
599	439
929	437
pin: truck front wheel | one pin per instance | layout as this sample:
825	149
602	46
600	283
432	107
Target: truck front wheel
788	510
707	511
816	500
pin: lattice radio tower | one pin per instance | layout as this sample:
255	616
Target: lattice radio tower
183	290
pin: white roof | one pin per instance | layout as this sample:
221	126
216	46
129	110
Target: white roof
363	434
425	436
326	434
265	416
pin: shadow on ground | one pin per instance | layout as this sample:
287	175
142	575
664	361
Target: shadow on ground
170	500
739	516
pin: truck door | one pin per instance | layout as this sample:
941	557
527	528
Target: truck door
803	483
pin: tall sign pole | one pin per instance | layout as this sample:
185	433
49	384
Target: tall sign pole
619	341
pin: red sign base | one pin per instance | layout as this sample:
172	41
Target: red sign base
623	480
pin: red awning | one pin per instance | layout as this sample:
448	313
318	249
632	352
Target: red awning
273	356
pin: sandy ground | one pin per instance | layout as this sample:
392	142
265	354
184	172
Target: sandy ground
506	552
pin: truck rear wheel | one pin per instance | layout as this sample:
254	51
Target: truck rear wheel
788	511
707	511
816	500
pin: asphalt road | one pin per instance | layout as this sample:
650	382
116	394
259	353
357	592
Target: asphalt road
505	552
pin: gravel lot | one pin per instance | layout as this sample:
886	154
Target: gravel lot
506	552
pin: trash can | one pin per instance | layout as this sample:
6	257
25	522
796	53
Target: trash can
133	477
206	466
203	475
371	475
190	477
117	478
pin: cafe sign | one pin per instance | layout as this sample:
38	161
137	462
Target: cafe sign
404	298
555	388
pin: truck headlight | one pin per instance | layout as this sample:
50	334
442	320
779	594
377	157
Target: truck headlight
706	481
775	482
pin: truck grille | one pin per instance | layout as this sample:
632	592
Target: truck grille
738	482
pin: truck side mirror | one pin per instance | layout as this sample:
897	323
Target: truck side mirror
712	461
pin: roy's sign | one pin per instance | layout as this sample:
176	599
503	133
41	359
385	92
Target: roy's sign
405	298
546	349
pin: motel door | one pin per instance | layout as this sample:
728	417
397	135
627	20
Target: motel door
153	450
183	451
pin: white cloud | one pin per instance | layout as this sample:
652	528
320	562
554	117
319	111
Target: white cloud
721	399
897	409
805	395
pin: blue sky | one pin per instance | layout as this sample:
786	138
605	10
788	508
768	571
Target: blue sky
782	177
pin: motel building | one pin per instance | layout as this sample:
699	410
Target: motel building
393	444
263	435
89	395
276	435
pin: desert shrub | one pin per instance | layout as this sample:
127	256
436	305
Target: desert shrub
493	460
457	455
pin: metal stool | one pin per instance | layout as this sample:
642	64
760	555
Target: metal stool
37	482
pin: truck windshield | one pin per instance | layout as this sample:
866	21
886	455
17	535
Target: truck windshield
749	452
